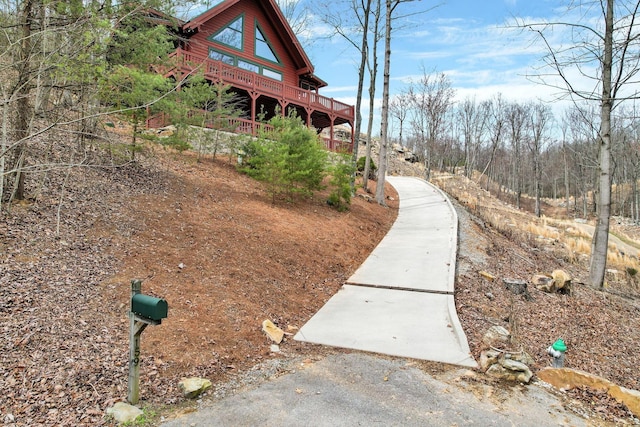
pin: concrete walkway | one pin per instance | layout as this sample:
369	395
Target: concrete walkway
400	301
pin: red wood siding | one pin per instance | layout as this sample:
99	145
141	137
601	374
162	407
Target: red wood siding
199	45
258	90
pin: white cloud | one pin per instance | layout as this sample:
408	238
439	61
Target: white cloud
334	89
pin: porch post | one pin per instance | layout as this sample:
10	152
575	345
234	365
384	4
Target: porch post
309	110
254	125
332	142
283	106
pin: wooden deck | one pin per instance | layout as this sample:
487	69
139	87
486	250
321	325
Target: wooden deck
324	112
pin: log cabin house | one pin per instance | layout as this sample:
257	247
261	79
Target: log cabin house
249	45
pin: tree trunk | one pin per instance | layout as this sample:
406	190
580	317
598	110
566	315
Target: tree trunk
44	81
600	241
382	159
23	86
634	199
566	177
3	148
364	50
373	74
537	183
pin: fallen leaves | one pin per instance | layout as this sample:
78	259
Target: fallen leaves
599	401
601	329
198	234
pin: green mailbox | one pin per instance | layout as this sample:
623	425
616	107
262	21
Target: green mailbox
149	307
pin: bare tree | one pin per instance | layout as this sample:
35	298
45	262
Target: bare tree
24	69
372	66
496	130
432	98
296	14
632	156
390	8
539	125
348	27
399	109
384	122
605	51
52	58
565	158
473	122
583	150
516	116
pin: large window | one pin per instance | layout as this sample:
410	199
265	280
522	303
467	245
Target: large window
272	74
219	56
250	66
244	64
263	47
232	34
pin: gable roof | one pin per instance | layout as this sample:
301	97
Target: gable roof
277	20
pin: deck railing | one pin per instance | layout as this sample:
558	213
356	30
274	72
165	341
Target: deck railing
218	70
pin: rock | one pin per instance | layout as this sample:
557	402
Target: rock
522	357
559	281
566	378
194	387
124	413
488	358
366	197
510	370
521	371
487	276
543	280
410	157
562	281
489	295
518	287
496	336
275	348
276	334
166	131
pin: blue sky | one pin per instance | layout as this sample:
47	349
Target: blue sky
468	40
473	42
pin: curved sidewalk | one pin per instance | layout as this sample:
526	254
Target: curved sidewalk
400	301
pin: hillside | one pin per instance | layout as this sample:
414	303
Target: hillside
210	241
198	234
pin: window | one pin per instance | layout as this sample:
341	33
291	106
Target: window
219	56
263	47
304	84
272	74
248	66
231	35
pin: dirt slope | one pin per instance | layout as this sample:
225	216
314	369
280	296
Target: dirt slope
202	236
211	242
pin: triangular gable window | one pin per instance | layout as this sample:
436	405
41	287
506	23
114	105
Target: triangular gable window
231	35
263	47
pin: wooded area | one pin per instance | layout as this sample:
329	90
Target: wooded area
585	153
66	64
93	205
71	68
